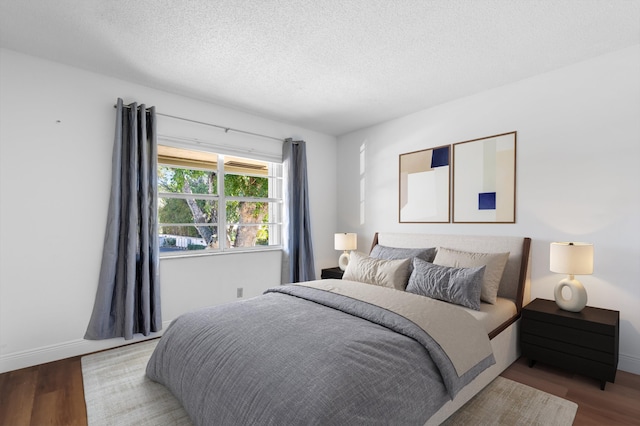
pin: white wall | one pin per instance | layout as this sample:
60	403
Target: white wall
578	153
56	136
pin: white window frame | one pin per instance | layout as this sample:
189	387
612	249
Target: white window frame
274	200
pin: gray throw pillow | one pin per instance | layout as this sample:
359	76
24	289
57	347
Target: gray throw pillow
461	286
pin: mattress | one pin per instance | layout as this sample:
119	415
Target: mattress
492	316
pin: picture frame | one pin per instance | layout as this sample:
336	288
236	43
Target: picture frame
425	186
484	179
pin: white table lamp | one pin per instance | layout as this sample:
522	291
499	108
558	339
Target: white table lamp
345	241
572	259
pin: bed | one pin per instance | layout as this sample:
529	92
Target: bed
349	352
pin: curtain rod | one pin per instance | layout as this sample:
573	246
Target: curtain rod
226	129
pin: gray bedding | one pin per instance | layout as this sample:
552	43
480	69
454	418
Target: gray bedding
299	355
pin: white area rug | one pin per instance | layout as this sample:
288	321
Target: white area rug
117	392
506	403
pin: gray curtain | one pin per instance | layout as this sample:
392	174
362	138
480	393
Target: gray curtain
297	262
128	297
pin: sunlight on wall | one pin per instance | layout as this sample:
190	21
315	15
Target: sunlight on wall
362	179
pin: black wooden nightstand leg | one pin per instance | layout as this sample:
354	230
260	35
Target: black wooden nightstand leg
603	383
532	362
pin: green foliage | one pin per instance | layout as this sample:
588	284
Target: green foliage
200	181
263	236
246	186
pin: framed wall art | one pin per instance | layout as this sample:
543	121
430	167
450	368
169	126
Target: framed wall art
484	180
425	185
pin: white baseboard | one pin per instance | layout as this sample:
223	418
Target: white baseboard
629	363
44	354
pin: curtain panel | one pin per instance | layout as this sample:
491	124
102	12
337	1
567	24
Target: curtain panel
297	262
128	296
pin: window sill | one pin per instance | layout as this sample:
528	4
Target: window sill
195	253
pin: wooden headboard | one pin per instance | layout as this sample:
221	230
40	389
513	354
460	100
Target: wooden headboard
515	279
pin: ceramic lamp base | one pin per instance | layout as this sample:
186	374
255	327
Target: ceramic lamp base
578	299
343	260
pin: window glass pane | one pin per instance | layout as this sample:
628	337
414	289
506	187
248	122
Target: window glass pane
248	235
246	212
187	158
246	186
181	238
177	180
175	213
239	165
249	223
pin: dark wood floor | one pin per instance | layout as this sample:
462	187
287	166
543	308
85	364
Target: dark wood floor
618	404
46	394
52	394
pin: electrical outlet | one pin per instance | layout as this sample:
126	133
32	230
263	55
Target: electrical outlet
239	292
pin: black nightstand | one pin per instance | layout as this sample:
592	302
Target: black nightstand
332	273
584	342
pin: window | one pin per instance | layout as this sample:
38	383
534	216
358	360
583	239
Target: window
211	202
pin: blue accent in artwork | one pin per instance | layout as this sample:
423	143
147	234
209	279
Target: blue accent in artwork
487	201
440	157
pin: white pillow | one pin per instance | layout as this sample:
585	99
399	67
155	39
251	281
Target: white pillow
386	273
495	263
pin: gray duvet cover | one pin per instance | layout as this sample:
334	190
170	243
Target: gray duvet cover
304	356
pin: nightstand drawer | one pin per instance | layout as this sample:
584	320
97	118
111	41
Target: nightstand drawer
568	348
571	336
573	363
594	320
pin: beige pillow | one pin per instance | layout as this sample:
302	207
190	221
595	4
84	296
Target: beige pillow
386	273
495	263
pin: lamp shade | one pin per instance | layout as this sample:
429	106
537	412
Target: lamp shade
571	258
346	241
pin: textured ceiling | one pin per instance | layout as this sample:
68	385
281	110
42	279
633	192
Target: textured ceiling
329	65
